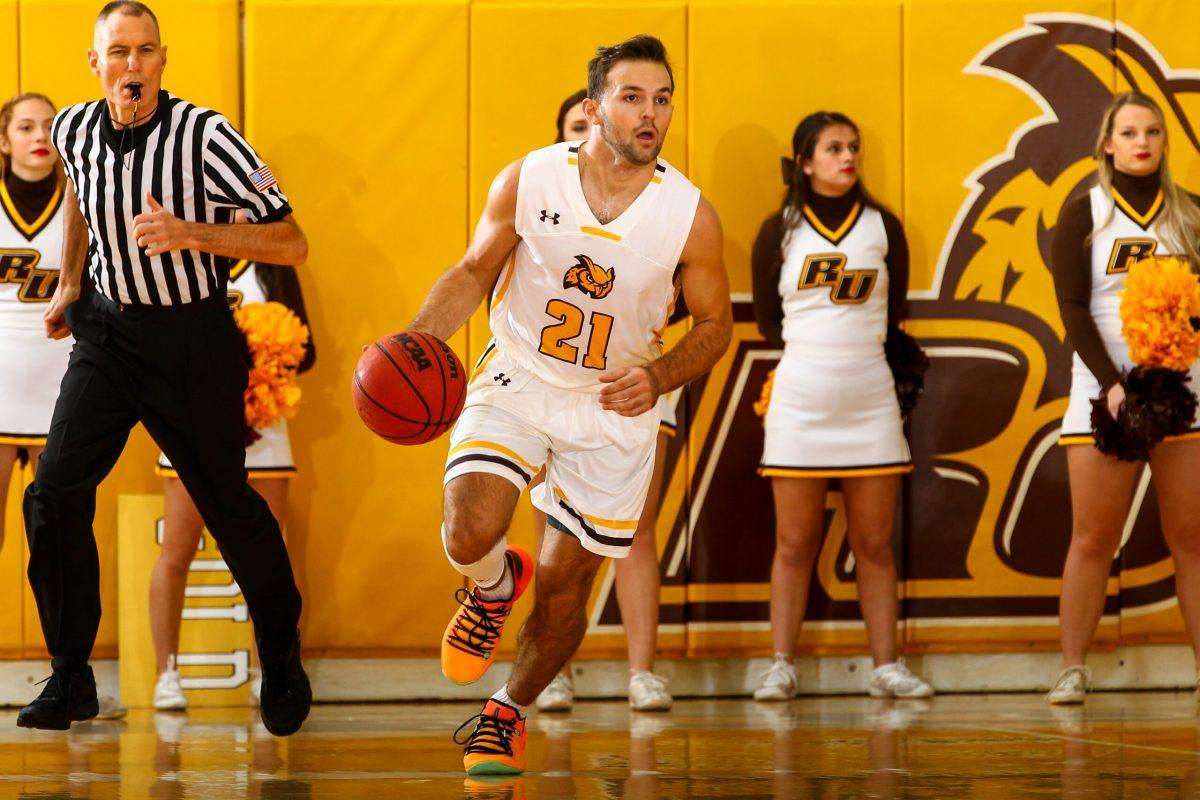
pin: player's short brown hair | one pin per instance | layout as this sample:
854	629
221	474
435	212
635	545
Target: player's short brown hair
642	47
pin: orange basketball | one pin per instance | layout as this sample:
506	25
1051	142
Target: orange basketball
409	387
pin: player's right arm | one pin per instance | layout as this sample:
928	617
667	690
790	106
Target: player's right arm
462	288
75	241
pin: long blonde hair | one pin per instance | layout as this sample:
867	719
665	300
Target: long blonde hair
1179	220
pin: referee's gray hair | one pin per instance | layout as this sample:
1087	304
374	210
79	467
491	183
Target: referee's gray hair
130	8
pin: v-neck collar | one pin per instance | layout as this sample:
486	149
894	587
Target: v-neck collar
1143	220
834	236
136	136
627	220
30	229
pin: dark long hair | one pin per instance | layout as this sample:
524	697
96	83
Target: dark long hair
566	106
804	144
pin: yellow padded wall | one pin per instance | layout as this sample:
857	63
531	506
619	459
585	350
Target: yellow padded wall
202	38
526	58
360	108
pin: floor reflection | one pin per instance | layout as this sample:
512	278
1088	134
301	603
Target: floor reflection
1144	746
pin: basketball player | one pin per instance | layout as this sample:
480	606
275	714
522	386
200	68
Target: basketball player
31	229
269	465
637	576
1133	210
584	240
830	276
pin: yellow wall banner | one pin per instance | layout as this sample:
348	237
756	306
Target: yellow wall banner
215	637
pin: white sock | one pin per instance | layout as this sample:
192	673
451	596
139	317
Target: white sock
502	696
490	573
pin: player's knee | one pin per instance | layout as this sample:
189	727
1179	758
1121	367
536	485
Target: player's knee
469	539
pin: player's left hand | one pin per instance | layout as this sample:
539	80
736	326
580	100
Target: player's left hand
630	392
158	231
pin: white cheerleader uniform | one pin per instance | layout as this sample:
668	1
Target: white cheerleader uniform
578	298
833	410
1115	247
31	365
271	455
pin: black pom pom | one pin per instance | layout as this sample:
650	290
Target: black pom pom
909	365
1158	404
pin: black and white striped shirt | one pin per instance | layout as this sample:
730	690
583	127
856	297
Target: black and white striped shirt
192	161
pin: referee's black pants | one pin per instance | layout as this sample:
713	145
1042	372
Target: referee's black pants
181	371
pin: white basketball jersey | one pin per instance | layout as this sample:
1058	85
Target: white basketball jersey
243	288
1124	239
30	256
578	298
834	284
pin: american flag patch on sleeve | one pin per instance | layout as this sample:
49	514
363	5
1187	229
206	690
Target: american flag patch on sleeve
262	179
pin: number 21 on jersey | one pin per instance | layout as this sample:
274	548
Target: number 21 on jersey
557	336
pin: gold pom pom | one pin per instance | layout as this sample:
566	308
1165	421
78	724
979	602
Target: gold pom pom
764	398
1161	297
276	338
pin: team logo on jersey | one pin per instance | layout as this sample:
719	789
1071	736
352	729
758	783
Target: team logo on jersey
1127	252
590	278
20	266
846	286
548	217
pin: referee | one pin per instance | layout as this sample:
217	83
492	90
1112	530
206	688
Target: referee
154	184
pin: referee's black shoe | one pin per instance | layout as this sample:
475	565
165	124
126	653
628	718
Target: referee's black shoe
286	695
69	696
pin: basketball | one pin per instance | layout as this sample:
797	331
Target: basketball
409	387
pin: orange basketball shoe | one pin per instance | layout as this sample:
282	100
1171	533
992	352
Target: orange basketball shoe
472	635
497	745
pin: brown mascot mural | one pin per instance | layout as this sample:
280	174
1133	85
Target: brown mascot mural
983	531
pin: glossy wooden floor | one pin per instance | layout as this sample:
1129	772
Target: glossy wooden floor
1144	746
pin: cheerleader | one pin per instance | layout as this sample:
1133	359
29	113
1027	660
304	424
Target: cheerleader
637	576
269	464
830	276
31	234
1133	210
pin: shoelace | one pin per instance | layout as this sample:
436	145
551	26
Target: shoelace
476	631
53	682
492	735
653	682
779	669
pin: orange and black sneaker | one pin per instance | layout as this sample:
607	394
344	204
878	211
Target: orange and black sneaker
471	637
497	744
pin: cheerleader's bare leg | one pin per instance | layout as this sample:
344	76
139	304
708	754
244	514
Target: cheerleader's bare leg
1101	488
799	523
1175	466
871	516
8	457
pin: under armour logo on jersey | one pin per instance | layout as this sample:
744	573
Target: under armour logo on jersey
500	379
546	215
